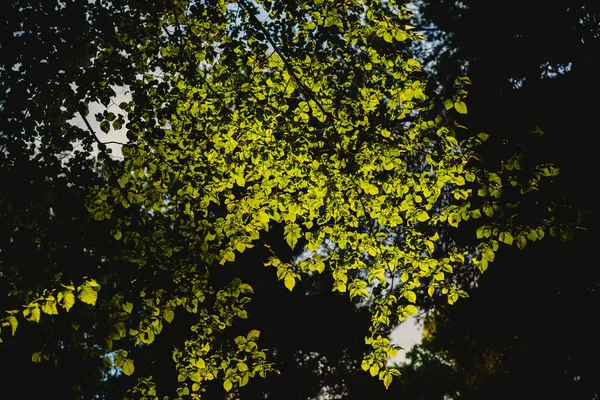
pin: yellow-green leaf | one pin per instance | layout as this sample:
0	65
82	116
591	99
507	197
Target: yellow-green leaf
387	380
128	367
245	288
374	370
49	306
521	242
227	385
13	324
422	216
460	107
253	334
240	181
128	307
168	315
263	217
32	313
88	292
240	247
410	309
36	357
66	299
289	282
365	365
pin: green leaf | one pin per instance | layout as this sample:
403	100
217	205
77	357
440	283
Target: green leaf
448	104
521	242
168	315
88	292
120	357
489	211
117	235
289	282
414	63
240	247
36	357
66	299
49	306
532	235
483	136
400	35
365	365
128	307
387	380
404	277
480	233
117	124
292	233
411	309
228	256
253	334
123	181
128	367
374	370
340	286
460	107
245	288
422	216
240	181
32	313
105	126
227	385
489	255
506	237
13	324
263	217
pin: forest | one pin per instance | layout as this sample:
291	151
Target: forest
243	199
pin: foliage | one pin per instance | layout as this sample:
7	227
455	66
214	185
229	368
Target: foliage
526	330
512	348
312	123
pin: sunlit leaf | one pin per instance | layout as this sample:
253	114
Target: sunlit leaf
127	307
460	107
88	292
128	367
290	282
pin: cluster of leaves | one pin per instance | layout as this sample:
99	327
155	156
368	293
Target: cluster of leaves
313	120
47	303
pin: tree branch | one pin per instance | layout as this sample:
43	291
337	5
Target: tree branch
257	24
90	128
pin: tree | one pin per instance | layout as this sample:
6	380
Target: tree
309	128
502	342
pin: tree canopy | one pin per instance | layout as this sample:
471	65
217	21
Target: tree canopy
296	136
503	342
